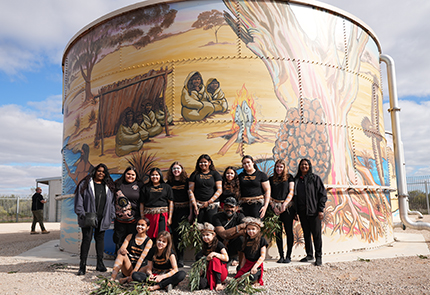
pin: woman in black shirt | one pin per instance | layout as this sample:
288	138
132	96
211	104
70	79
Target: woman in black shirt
128	188
205	187
282	189
156	203
253	184
178	180
230	185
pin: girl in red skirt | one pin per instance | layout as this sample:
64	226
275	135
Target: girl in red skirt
217	257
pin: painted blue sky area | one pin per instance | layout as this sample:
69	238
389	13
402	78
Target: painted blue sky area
374	171
416	98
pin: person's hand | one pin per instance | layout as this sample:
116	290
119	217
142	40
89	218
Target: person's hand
211	256
321	215
190	218
152	277
159	278
254	270
263	211
169	221
205	205
196	210
123	251
284	206
277	212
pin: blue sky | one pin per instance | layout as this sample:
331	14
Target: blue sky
33	35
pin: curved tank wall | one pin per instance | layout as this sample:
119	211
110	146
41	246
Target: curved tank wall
158	82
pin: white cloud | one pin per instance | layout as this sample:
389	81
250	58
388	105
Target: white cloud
19	180
33	32
415	130
26	138
50	108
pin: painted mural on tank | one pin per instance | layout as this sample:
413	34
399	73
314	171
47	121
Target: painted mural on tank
171	81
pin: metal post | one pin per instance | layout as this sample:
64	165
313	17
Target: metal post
427	197
17	208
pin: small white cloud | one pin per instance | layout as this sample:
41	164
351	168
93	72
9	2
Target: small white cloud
50	108
26	138
19	180
415	130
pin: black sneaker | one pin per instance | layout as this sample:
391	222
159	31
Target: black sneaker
281	260
306	259
287	260
318	261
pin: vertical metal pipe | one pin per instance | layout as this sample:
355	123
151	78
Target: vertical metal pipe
398	147
427	196
17	208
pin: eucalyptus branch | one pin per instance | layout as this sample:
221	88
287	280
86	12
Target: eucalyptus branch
191	236
242	285
198	269
271	225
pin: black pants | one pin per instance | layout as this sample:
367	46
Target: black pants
234	246
206	214
99	236
286	219
252	210
174	280
311	226
178	215
121	231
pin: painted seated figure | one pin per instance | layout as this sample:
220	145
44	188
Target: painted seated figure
129	137
159	114
216	95
194	99
150	122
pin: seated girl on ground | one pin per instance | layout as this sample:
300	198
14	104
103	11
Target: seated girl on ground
217	257
133	252
254	249
162	268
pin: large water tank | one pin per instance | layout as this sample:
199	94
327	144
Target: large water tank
164	81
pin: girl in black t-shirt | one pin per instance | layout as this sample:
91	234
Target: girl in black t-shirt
205	187
254	249
217	257
127	195
254	189
132	252
230	185
156	203
162	268
282	188
178	180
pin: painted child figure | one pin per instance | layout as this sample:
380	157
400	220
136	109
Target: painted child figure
254	250
217	257
133	252
162	268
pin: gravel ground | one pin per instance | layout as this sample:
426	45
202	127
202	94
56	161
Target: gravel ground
405	275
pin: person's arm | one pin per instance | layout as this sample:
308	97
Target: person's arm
217	193
123	248
193	202
260	260
79	203
289	196
266	189
142	208
322	197
223	256
142	256
231	233
171	272
171	206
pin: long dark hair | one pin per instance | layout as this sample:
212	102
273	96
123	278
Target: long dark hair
255	244
182	177
107	180
233	185
310	174
122	179
206	157
249	157
208	248
159	172
165	255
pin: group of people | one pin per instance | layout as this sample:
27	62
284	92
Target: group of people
137	127
229	209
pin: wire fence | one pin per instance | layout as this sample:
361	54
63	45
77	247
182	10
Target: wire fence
15	209
419	189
